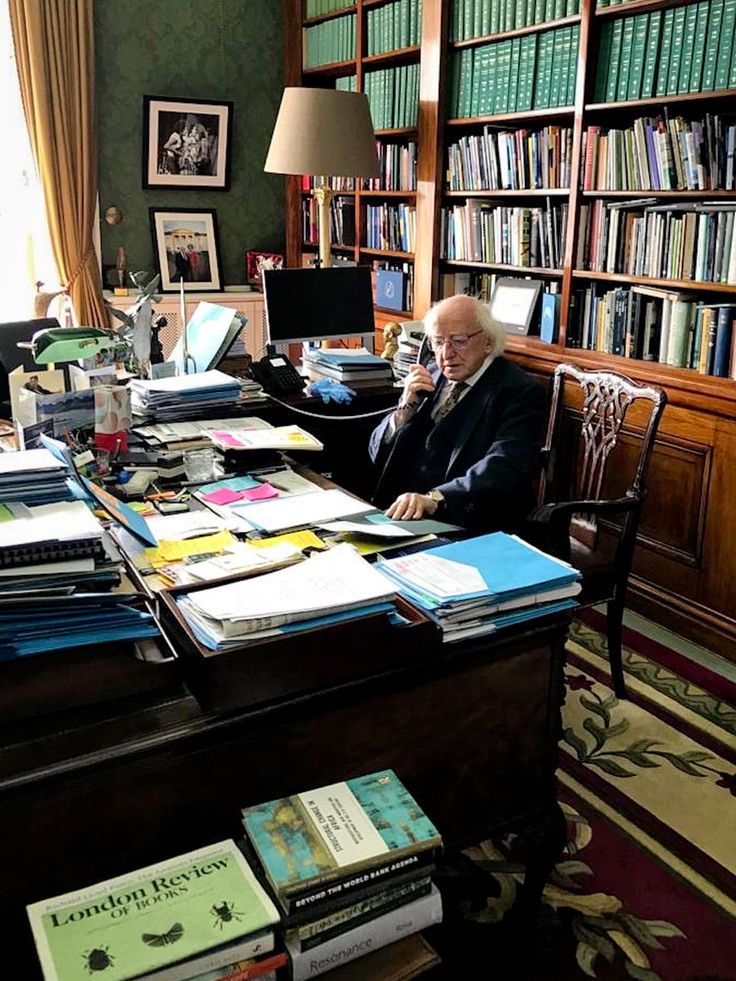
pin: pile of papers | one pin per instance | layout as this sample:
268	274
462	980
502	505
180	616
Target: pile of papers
54	545
480	585
278	438
40	622
33	477
299	510
330	586
349	365
184	395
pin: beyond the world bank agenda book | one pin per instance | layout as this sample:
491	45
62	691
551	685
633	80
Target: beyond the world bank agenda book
328	833
153	917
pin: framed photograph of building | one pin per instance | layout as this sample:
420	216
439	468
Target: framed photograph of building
187	249
186	143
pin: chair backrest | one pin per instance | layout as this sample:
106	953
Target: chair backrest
607	397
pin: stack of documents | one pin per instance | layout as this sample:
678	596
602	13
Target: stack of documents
329	587
194	433
36	623
477	586
349	365
54	545
33	477
184	395
279	438
299	510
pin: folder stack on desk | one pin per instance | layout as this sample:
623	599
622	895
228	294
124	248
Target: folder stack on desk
33	477
329	587
480	585
183	396
349	365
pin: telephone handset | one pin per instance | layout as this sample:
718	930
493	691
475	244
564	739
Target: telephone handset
278	375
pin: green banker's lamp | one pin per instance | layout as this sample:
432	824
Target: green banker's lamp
323	133
60	344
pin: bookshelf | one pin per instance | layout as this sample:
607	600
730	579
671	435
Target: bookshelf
685	570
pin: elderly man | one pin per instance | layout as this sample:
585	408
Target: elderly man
465	439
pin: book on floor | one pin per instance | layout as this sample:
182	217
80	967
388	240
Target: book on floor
167	921
319	845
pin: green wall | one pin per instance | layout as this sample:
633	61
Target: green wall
207	49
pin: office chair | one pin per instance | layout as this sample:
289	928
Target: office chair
588	512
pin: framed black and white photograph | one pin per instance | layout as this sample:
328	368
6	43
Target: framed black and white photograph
187	249
186	143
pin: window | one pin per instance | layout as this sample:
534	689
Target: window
25	248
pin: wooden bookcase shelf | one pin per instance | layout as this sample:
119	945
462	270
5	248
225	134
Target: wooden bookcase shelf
549	25
503	267
682	195
401	131
699	286
335	69
664	100
388	253
387	194
398	56
522	192
528	115
331	16
637	7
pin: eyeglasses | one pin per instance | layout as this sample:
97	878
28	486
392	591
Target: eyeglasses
456	341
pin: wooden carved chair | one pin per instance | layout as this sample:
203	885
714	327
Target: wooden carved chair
588	512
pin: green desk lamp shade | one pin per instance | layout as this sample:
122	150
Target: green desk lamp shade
59	344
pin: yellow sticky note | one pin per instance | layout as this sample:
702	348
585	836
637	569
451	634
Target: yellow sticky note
175	551
301	539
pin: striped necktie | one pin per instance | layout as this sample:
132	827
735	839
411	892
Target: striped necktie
451	401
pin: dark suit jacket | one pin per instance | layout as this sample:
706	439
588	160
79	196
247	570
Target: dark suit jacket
486	467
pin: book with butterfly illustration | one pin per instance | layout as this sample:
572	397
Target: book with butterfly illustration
166	922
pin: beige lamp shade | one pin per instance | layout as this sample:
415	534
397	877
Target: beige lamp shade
323	132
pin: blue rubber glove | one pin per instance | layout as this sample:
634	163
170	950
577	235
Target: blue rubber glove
331	391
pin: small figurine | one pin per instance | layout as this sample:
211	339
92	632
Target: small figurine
391	332
157	325
42	300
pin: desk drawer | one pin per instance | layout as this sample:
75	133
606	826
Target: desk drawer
294	664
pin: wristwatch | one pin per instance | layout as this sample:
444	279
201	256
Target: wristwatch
437	496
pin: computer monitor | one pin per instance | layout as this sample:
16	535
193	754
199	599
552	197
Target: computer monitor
314	304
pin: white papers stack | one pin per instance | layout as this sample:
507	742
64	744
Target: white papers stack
184	395
33	477
480	585
328	587
300	510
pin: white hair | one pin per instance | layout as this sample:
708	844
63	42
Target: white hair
484	320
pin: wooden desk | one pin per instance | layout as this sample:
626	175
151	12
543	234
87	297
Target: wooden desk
472	729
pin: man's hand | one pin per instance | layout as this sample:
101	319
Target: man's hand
417	384
410	507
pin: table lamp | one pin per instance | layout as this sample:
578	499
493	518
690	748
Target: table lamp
323	133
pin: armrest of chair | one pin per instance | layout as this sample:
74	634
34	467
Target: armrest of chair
554	513
549	525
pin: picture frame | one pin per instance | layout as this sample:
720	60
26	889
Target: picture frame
256	262
186	143
186	244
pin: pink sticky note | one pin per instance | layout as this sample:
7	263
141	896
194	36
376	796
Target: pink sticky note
224	496
262	493
228	439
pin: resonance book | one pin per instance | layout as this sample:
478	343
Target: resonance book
154	917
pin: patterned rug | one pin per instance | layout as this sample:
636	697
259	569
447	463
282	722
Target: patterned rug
647	886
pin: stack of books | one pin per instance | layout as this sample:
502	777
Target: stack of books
184	395
408	353
33	477
330	587
350	865
202	915
349	365
480	585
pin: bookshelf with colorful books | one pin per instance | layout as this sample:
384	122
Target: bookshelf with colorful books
381	58
606	131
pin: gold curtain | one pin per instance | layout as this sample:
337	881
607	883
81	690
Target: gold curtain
54	50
